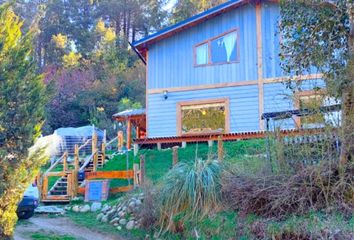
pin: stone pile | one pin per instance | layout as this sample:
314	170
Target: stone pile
123	214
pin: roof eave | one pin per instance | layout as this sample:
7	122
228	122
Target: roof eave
143	44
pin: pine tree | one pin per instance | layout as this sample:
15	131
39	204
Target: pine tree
22	99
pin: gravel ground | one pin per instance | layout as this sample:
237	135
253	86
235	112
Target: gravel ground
58	226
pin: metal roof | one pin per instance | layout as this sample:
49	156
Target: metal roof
188	22
130	113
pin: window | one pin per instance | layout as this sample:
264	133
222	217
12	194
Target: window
209	116
222	49
312	101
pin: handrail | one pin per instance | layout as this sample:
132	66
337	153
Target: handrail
85	144
87	161
54	164
110	142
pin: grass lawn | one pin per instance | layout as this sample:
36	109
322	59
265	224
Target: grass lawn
50	236
247	156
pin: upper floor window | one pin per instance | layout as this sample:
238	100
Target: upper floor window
218	50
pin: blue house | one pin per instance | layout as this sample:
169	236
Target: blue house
218	72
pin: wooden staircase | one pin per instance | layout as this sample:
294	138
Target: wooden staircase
60	190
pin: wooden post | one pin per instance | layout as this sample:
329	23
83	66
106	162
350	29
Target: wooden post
76	158
120	140
142	169
103	152
174	155
136	149
94	151
184	144
220	149
65	162
129	134
68	185
137	132
94	142
44	187
136	174
210	143
159	146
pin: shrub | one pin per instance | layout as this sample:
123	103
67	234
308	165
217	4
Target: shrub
189	191
315	188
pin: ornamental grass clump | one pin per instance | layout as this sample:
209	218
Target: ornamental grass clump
189	191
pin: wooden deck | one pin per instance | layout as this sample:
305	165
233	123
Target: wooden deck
224	137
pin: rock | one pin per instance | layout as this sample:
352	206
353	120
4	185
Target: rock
67	208
49	210
96	206
119	228
122	221
111	213
106	208
104	219
76	208
131	205
130	225
114	220
138	202
85	208
121	214
116	224
99	217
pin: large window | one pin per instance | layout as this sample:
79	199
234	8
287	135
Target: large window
219	50
211	116
311	101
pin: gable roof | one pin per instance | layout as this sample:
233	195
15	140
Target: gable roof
142	44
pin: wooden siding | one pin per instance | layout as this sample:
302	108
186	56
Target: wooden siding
277	97
162	118
271	40
171	60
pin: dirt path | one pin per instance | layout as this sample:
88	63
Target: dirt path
58	226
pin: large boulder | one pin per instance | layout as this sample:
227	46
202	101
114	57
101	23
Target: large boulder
85	208
96	206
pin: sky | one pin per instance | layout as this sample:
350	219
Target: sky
170	4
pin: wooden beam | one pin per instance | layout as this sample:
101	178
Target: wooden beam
129	134
235	84
110	175
260	64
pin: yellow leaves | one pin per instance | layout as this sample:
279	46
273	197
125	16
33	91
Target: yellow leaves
72	59
109	36
60	40
107	33
10	30
100	27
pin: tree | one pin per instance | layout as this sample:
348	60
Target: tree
22	99
320	33
184	9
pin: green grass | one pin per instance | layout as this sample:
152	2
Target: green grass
246	156
50	236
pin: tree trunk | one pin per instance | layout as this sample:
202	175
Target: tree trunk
347	142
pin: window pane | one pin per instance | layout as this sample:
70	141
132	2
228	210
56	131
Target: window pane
203	118
312	103
224	49
202	54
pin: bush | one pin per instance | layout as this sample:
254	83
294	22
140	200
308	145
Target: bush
189	191
315	188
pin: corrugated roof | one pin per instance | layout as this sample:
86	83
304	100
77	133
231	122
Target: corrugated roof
130	113
166	32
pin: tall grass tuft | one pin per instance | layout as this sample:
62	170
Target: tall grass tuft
189	191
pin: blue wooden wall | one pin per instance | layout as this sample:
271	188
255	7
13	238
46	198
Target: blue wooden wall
171	64
162	119
171	61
